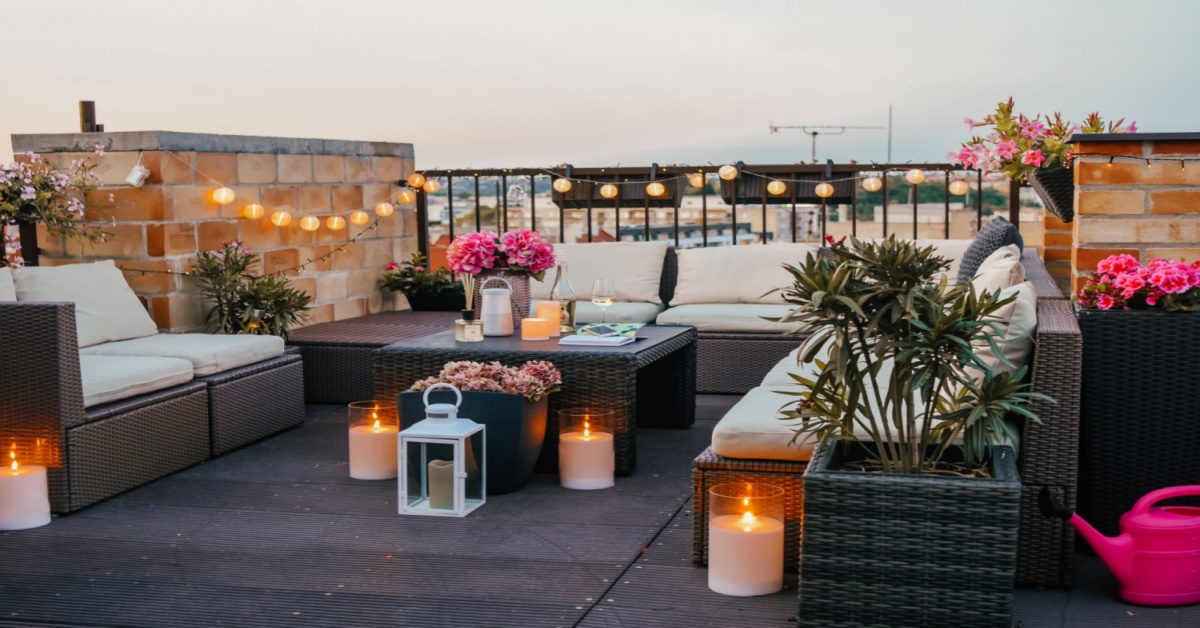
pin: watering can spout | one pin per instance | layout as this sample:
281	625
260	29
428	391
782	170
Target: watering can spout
1116	552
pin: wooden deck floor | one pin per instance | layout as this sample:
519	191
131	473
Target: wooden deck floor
276	534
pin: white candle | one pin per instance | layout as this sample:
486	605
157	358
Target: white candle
24	500
441	484
535	329
551	311
373	451
585	460
745	554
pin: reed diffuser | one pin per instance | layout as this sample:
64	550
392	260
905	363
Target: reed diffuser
467	329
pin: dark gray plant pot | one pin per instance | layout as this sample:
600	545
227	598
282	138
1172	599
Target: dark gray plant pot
1056	187
440	302
515	430
907	550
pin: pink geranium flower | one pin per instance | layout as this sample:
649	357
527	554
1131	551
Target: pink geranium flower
1006	149
1033	158
471	253
1033	129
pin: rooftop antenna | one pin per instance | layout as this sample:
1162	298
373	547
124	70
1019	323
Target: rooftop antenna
87	117
814	130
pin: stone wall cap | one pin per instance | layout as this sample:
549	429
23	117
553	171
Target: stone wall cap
204	142
1132	137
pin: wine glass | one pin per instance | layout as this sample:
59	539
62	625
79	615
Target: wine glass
603	295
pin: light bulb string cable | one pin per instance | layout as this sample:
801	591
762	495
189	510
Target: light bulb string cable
1182	161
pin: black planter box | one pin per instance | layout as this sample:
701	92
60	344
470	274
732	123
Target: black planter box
908	550
441	302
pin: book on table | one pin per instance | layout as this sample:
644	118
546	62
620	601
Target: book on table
596	341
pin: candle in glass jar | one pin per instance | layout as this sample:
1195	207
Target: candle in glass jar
745	554
535	329
552	312
24	500
373	451
585	459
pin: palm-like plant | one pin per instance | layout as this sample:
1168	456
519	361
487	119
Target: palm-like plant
901	363
244	302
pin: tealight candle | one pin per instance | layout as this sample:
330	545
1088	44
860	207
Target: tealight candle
551	311
535	329
745	539
24	497
585	448
374	432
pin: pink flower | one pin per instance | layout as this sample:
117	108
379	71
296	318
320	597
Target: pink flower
1117	264
419	269
1104	302
1007	149
393	266
1132	127
965	156
1151	301
28	194
969	122
1032	129
472	252
1033	158
99	150
527	250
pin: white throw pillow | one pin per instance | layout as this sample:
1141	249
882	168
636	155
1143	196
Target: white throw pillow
8	292
635	269
737	274
1001	254
106	309
1017	323
999	275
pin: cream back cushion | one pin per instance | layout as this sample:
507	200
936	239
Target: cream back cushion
8	292
998	275
1017	327
106	309
635	269
737	274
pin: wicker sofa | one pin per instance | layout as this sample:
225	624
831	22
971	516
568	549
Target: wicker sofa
109	411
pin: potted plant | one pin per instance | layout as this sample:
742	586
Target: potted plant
516	256
1032	151
32	192
427	289
1141	332
509	400
915	524
244	302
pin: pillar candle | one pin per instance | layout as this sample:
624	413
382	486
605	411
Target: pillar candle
535	329
441	484
373	451
24	501
745	554
551	311
585	460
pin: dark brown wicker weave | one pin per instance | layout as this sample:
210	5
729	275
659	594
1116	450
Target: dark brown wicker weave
908	550
104	450
1056	187
1140	414
662	367
255	401
338	356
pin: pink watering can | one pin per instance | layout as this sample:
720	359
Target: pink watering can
1156	559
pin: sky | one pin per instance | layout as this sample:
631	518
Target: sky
525	83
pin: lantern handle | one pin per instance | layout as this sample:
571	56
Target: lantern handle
457	394
491	279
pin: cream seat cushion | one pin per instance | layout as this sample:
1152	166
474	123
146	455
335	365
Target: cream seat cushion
737	274
619	312
635	269
108	378
106	309
731	317
208	353
8	292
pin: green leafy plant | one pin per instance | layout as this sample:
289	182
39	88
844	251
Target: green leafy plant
244	302
414	277
900	348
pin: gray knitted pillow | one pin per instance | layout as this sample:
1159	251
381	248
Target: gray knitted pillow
997	233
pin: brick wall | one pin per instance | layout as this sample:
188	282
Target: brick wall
1127	206
163	224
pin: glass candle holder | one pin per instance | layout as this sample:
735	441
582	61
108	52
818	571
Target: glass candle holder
745	539
374	428
585	448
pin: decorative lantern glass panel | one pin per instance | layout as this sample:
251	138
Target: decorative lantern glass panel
442	462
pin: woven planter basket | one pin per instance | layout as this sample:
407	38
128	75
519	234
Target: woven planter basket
908	550
1056	187
520	294
1138	423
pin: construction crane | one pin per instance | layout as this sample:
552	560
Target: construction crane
814	130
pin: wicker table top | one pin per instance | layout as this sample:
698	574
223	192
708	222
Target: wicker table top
648	338
374	330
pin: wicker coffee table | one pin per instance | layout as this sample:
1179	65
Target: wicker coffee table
651	382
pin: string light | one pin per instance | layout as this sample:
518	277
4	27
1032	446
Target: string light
335	223
698	180
729	173
310	223
656	189
359	217
416	180
777	187
824	190
222	196
872	184
281	219
958	187
915	176
253	211
406	197
384	209
562	185
608	190
431	186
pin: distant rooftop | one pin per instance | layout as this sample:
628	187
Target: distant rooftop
206	142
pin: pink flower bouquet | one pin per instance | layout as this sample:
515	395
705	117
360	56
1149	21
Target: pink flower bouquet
1121	283
532	380
522	251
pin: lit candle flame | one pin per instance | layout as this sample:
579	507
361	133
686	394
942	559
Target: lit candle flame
748	521
13	454
376	425
587	433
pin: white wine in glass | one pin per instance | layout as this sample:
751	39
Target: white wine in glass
603	295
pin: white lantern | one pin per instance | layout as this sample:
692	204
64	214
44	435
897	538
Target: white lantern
729	173
223	196
698	180
608	190
442	462
310	223
335	223
824	190
562	185
385	209
777	188
406	197
253	211
360	217
915	176
958	187
656	189
872	183
281	219
416	179
431	186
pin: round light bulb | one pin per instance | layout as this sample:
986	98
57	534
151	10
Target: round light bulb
698	180
958	187
310	223
608	190
562	186
416	179
359	217
824	190
777	188
431	186
729	173
656	189
914	176
335	223
406	197
222	196
384	209
253	211
872	184
281	219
